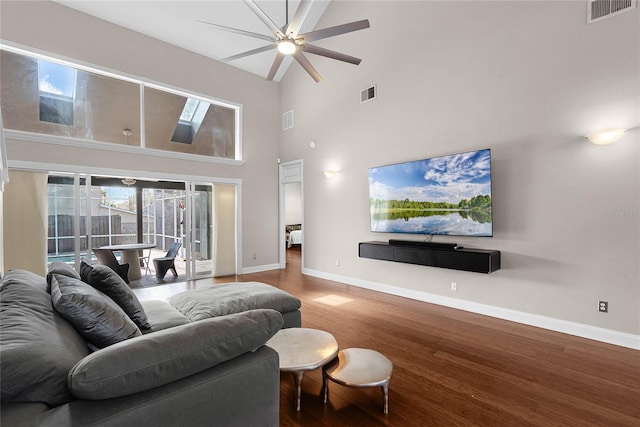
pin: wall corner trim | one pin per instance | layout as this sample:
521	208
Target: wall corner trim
609	336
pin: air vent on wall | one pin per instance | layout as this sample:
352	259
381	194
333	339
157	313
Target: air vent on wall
368	94
600	9
287	120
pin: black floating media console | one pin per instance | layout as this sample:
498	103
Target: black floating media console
443	255
433	245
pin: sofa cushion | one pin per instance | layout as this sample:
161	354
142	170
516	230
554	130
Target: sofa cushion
60	268
38	346
21	413
111	284
162	315
162	357
235	297
94	315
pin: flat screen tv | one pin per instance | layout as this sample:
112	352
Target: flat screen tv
449	195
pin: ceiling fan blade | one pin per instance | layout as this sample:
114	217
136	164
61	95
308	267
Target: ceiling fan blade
298	19
249	53
330	54
275	66
241	32
334	31
304	62
264	18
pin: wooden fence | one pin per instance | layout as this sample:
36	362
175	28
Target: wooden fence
99	231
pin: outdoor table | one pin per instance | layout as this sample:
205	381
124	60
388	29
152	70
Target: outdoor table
130	255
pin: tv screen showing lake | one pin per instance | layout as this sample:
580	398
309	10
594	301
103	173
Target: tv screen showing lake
448	195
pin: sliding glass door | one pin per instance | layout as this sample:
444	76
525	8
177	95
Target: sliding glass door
88	211
212	240
67	221
199	252
167	212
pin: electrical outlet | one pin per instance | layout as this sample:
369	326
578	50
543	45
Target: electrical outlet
254	255
337	263
603	306
454	286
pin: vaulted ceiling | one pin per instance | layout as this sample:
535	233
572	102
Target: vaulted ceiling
176	22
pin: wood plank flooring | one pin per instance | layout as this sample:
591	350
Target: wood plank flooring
451	368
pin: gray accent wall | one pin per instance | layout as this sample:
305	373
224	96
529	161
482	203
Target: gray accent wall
525	79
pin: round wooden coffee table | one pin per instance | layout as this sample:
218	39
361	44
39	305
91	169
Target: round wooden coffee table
302	350
359	367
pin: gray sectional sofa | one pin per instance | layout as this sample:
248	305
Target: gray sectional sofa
81	350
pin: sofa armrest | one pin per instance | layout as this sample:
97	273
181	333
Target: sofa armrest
159	358
241	392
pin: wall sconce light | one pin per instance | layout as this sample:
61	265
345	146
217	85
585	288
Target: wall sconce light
606	136
330	174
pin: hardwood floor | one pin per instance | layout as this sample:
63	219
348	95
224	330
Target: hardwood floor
450	367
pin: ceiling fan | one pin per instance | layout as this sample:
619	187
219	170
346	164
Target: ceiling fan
288	41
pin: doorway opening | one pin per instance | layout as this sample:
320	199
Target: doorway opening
291	224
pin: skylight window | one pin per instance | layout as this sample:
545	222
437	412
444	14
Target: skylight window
56	79
189	110
57	89
190	120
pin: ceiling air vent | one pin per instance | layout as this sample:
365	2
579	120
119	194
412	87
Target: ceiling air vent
368	94
287	120
600	9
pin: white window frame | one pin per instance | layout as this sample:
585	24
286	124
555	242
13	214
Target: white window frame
143	83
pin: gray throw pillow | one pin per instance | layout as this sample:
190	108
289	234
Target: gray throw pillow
171	354
108	282
60	268
38	346
94	315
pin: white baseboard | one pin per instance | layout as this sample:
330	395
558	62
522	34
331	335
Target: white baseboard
259	268
609	336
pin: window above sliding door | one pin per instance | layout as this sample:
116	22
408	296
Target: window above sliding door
54	99
48	100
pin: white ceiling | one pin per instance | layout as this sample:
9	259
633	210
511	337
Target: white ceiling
175	22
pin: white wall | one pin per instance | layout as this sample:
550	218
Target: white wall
526	79
53	28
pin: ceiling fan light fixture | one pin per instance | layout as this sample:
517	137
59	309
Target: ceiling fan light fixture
287	46
290	42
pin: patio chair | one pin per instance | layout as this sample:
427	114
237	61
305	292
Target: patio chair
167	262
106	257
145	260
